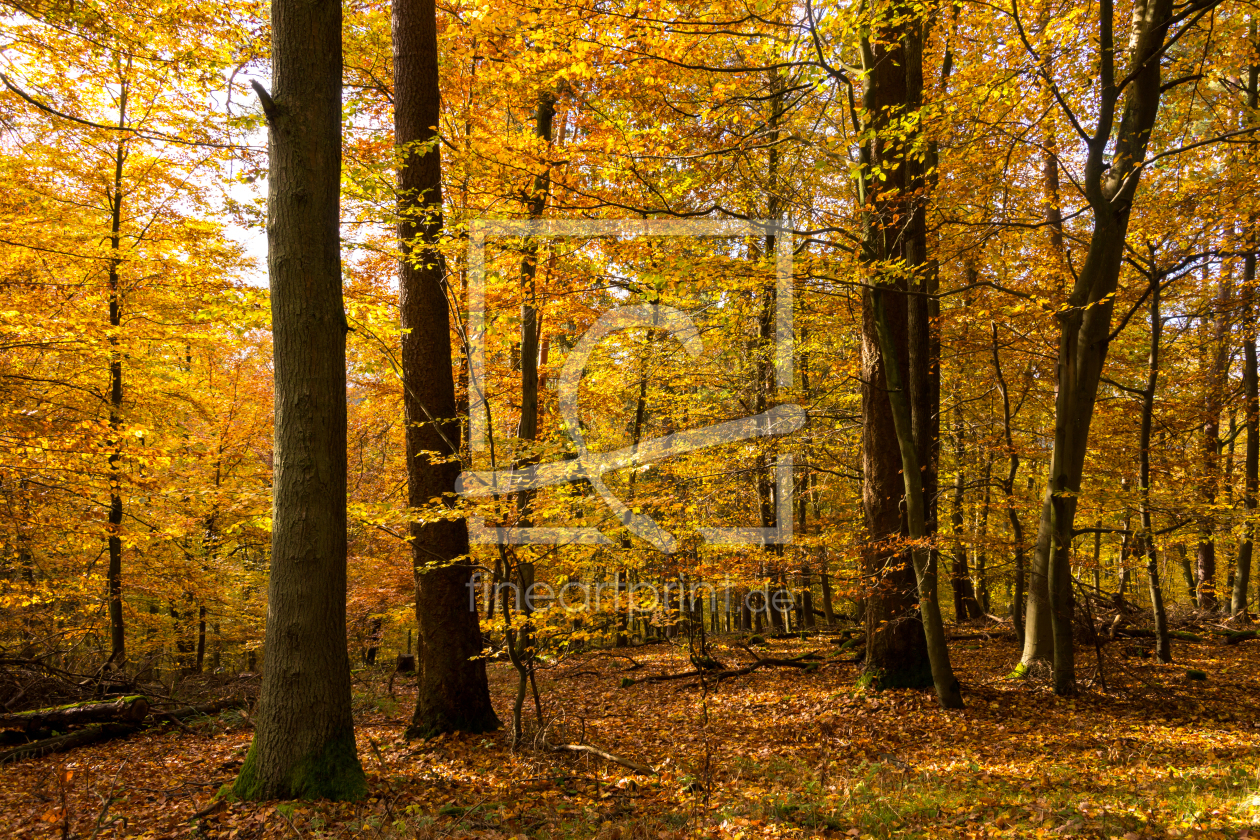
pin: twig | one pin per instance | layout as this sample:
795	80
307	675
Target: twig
607	756
208	810
106	801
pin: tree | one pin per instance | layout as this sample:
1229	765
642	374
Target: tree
894	315
1127	108
453	693
303	743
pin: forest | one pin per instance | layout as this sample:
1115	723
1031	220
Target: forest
629	419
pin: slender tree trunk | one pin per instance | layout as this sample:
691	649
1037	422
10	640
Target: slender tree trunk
1098	557
965	604
982	535
452	691
1205	555
829	611
1008	491
1163	650
1115	151
1251	397
113	576
304	733
1251	465
535	203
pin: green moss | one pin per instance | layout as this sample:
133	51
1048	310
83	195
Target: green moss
332	772
1021	671
130	698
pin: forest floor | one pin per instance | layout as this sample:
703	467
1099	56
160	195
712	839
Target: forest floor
777	753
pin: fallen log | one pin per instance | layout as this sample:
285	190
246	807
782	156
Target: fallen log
808	662
60	743
1143	633
981	637
123	710
203	710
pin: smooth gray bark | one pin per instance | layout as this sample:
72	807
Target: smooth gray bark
1114	153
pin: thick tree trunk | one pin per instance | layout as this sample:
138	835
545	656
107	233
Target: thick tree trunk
896	647
948	691
304	733
453	694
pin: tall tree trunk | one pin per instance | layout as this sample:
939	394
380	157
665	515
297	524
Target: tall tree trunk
304	737
982	535
113	576
1205	555
948	691
1085	322
535	203
1008	491
896	647
453	694
1251	463
1163	650
965	604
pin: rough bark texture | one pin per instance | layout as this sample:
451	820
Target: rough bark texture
304	737
453	695
948	691
896	648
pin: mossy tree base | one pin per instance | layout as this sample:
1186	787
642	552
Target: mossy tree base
332	772
917	676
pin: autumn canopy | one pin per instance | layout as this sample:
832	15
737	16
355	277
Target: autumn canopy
372	373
